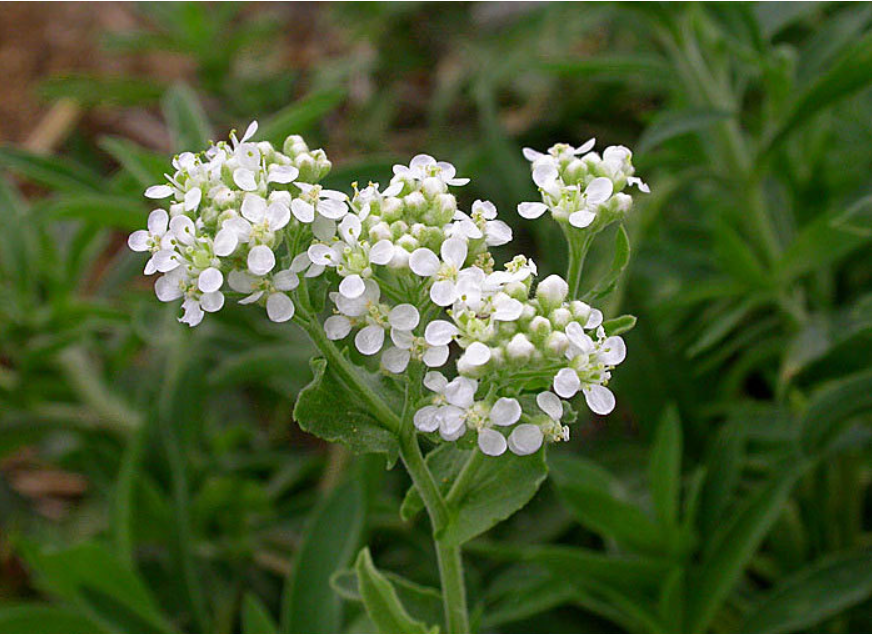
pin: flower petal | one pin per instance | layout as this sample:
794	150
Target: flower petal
210	280
599	399
424	262
506	411
566	383
352	286
395	359
370	340
337	327
477	354
491	442
156	192
525	439
440	332
261	260
435	356
279	307
549	403
531	211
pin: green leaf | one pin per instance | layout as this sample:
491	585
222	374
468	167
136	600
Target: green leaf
189	127
255	616
812	595
95	90
46	619
523	591
17	238
328	408
53	172
382	603
445	463
90	576
422	602
619	262
850	73
146	167
724	464
619	325
300	116
664	470
119	212
825	240
730	549
611	67
674	123
329	543
833	404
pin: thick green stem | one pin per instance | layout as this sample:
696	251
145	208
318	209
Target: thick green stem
453	588
578	241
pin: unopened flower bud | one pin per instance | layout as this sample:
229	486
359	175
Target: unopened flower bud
557	343
379	231
540	327
520	348
552	292
415	203
432	187
560	317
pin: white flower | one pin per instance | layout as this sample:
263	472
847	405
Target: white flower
152	239
425	263
327	203
423	166
556	151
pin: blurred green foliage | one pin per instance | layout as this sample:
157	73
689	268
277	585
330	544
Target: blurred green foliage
729	491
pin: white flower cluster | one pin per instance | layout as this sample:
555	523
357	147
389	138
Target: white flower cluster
415	275
581	187
230	208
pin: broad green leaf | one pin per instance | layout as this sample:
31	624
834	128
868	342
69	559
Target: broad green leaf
95	90
444	462
664	469
46	619
674	123
189	127
146	167
330	409
824	241
850	73
619	325
730	549
812	595
422	602
300	116
619	262
382	603
329	543
488	501
119	212
255	617
90	576
53	172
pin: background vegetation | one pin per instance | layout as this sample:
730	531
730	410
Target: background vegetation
152	480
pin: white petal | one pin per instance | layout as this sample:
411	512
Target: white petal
261	260
156	192
352	286
402	338
491	442
460	392
165	260
477	354
566	383
424	262
443	293
282	174
225	242
393	189
498	233
248	155
452	424
210	280
193	198
240	281
370	339
303	211
183	229
454	250
167	288
193	312
530	154
525	439
614	351
404	317
138	240
212	302
244	179
277	216
253	208
435	356
581	218
507	308
321	254
599	190
381	252
426	419
333	209
506	411
250	131
279	307
337	327
395	359
158	221
286	280
544	174
599	399
594	320
549	403
323	228
578	337
531	211
435	381
585	147
332	194
440	332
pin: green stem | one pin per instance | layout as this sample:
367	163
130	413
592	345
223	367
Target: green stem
453	588
578	241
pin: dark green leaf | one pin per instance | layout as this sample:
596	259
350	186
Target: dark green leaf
676	123
619	262
54	172
255	617
300	116
95	90
146	167
105	210
186	119
46	619
422	602
664	471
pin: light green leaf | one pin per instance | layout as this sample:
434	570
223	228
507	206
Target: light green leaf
300	116
674	123
255	617
189	127
664	470
732	546
522	592
619	325
330	409
812	595
334	532
724	462
146	167
611	67
382	603
857	218
422	602
619	262
95	90
53	172
46	619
